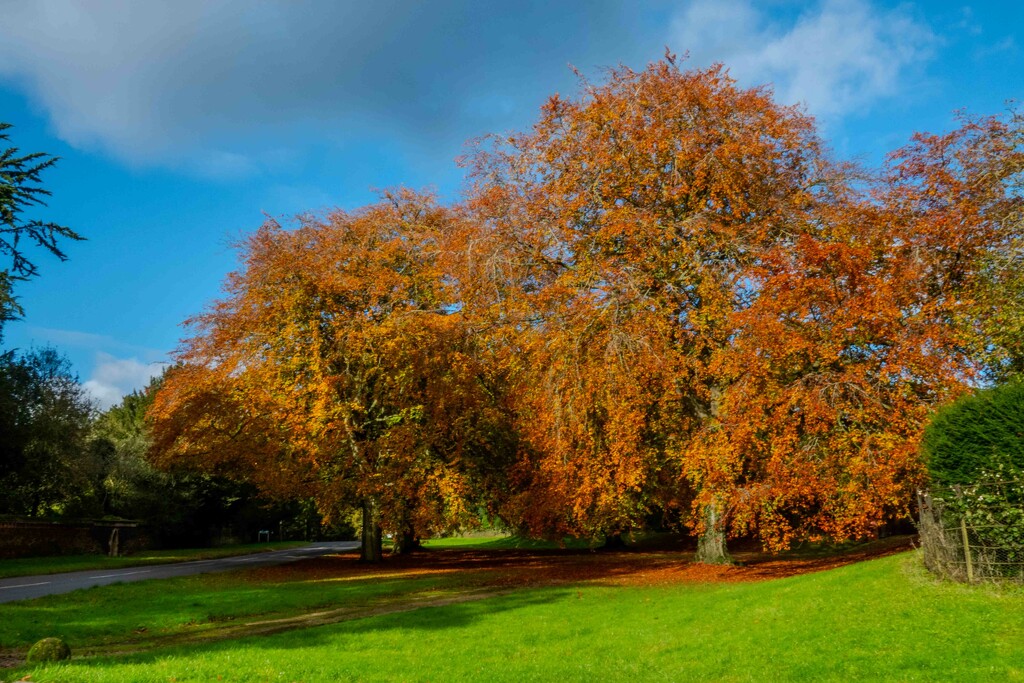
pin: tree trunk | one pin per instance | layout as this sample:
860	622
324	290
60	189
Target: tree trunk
711	544
406	542
372	550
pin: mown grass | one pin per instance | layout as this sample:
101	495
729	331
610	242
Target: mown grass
131	614
504	542
879	620
29	566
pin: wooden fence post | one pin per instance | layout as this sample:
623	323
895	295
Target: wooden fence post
967	550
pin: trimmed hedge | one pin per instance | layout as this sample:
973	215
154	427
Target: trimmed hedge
976	436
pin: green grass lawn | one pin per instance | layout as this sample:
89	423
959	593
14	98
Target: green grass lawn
29	566
884	619
503	542
147	611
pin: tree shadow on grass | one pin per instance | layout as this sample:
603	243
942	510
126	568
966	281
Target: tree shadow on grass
430	591
145	614
433	617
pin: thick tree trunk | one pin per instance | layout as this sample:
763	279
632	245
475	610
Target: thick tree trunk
406	542
372	550
711	544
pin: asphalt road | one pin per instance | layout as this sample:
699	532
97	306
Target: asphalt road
27	587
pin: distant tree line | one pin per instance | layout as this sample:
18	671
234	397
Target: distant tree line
60	457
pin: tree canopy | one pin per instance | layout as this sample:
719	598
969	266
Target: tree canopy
335	367
633	217
664	300
44	422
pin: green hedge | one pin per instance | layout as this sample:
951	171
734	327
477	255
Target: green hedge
979	435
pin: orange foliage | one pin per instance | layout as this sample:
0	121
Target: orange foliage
709	312
685	306
335	367
861	326
616	239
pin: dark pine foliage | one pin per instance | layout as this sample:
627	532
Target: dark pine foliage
978	435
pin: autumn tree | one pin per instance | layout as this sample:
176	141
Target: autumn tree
702	310
971	182
616	242
894	303
336	366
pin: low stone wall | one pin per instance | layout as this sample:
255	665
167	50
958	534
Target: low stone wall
34	538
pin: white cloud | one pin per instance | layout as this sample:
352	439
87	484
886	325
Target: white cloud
834	58
112	378
219	165
220	88
229	89
968	23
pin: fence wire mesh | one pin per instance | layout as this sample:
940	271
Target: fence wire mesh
976	533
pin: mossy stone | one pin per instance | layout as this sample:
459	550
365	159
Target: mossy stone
49	650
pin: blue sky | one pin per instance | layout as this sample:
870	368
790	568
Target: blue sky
181	124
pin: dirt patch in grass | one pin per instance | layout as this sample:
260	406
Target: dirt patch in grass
264	626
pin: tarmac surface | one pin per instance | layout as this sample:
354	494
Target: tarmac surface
28	587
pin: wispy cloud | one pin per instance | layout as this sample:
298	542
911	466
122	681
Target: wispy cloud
1007	46
89	340
967	23
835	57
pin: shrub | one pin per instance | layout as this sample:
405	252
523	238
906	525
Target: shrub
49	650
996	505
980	433
975	454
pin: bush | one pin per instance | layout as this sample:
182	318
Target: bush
975	454
981	433
49	650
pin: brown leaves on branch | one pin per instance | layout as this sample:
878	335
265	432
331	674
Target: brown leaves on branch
334	367
665	299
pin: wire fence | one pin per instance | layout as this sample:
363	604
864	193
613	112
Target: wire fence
974	534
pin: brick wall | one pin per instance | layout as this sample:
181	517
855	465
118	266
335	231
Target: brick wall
33	538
